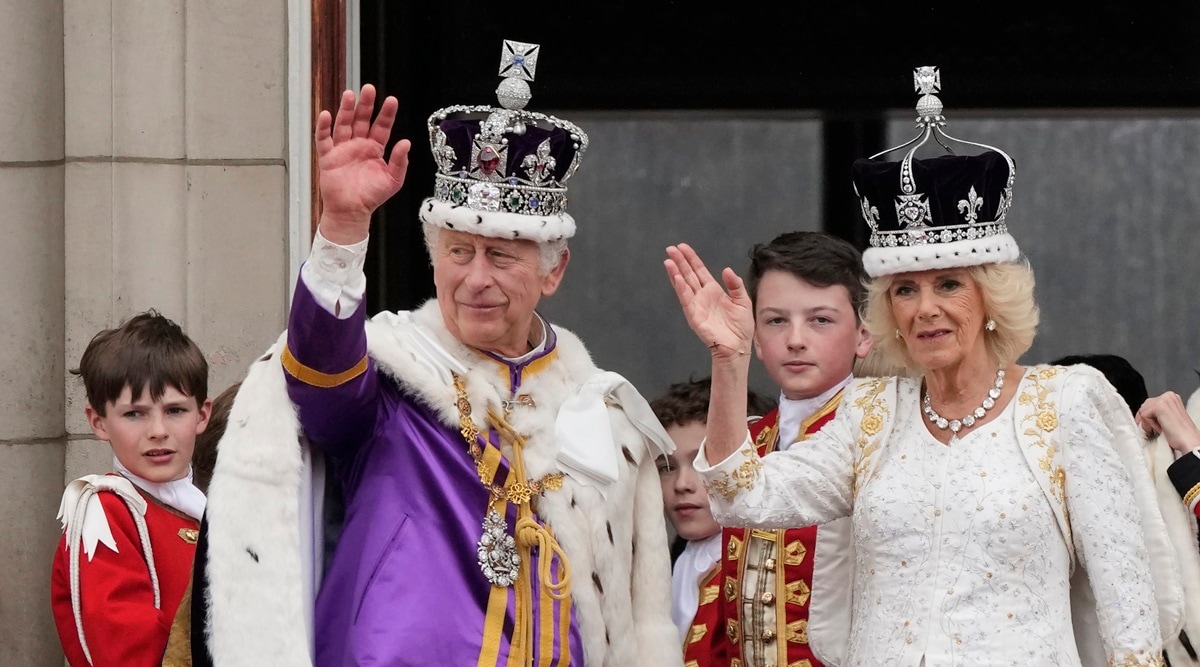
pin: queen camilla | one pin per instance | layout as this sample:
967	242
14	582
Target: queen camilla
1002	513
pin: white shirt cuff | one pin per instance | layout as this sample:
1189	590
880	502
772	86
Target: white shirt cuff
702	465
334	275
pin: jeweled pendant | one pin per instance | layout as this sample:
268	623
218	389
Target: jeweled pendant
498	557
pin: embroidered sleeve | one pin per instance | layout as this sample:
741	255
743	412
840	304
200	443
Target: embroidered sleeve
808	484
1106	525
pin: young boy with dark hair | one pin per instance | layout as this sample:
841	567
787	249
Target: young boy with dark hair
147	396
785	594
683	410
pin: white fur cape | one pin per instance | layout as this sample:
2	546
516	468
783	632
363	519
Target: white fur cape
262	562
1182	525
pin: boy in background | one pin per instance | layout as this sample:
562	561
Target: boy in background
785	594
147	396
696	552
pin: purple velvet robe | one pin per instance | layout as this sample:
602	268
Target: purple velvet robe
403	586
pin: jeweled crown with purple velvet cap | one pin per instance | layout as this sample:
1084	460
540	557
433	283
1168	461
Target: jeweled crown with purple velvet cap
940	212
502	172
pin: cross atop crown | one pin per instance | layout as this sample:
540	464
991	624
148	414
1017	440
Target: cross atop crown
927	80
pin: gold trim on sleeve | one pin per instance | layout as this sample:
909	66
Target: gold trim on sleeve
1189	498
315	378
728	485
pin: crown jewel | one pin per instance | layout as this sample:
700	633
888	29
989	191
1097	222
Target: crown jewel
505	159
938	212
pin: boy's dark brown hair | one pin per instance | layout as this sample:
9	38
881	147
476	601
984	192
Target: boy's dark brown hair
686	402
204	458
814	257
148	351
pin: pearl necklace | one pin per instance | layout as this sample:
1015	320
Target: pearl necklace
955	425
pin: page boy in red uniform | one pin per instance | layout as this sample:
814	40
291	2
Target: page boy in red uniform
125	557
784	598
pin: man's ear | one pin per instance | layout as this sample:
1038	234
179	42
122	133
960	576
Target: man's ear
865	342
97	422
551	281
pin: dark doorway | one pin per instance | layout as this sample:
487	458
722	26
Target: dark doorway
846	61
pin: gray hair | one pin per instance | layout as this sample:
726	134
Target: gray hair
549	252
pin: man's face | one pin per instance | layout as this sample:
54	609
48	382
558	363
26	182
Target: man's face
807	336
488	288
152	439
684	496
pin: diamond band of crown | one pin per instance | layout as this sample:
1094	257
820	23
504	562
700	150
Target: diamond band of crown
462	190
926	236
506	159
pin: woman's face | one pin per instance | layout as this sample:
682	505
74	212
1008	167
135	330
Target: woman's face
940	316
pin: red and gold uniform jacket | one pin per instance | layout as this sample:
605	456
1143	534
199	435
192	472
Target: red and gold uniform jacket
122	625
774	590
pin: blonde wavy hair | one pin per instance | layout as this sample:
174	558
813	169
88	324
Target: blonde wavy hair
1007	290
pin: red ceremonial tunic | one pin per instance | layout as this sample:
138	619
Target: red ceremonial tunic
707	622
120	622
760	615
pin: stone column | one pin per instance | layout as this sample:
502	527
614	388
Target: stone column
142	165
31	354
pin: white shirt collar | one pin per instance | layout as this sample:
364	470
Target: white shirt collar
180	494
793	413
699	557
537	349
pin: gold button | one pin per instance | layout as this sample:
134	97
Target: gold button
770	564
768	598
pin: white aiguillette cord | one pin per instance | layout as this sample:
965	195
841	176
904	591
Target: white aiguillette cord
85	524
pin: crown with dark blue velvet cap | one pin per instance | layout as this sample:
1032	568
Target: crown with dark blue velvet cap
503	171
940	212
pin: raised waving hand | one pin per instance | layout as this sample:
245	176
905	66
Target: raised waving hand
353	176
720	314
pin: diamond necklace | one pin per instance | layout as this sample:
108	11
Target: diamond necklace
955	425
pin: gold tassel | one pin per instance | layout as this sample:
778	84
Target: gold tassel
530	533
